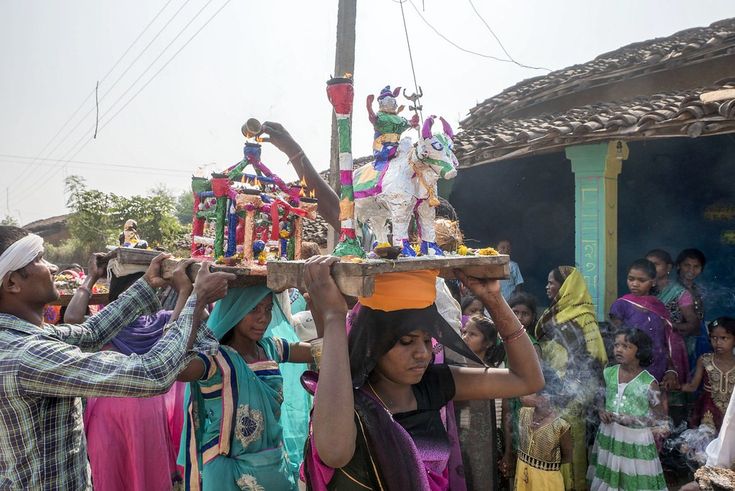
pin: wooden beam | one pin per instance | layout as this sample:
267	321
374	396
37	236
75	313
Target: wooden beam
358	279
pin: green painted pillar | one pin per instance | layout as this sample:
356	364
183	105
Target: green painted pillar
596	168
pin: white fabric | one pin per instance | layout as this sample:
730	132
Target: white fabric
20	253
721	451
120	270
303	324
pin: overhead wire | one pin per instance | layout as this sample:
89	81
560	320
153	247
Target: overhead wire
445	38
115	103
413	70
27	171
61	167
501	43
11	158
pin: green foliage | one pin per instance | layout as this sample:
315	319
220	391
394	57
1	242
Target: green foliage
185	207
97	218
70	251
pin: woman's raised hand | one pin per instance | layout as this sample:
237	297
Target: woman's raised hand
481	288
326	298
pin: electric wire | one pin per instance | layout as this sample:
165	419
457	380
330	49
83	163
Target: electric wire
413	70
84	136
445	38
61	167
66	123
501	43
19	159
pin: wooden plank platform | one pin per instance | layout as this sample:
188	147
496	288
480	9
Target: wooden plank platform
245	276
358	279
95	299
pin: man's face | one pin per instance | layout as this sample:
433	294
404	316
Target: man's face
503	247
36	281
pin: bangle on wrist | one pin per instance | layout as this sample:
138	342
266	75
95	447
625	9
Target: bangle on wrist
295	156
514	335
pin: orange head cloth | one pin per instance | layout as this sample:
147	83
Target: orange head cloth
398	291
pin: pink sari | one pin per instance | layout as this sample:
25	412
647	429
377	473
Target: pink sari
129	444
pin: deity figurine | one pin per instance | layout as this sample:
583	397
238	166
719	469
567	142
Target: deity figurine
388	125
129	236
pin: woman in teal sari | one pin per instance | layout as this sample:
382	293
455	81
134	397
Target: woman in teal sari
233	435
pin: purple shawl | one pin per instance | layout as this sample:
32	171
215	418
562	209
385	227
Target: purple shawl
140	336
676	344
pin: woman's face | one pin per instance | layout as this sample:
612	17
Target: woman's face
639	283
689	269
524	314
253	325
475	307
406	362
552	286
475	340
662	268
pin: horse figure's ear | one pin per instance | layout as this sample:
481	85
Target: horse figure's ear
426	130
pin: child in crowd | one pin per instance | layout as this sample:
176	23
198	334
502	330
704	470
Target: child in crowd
545	439
624	455
470	306
476	420
524	307
644	311
717	371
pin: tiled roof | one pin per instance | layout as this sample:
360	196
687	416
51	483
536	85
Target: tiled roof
638	59
695	112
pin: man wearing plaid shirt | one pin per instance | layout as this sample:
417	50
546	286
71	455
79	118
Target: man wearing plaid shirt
46	369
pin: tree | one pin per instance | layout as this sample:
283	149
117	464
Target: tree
97	218
185	208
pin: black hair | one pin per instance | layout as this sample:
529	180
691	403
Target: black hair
467	301
641	340
523	298
558	276
10	235
727	323
495	352
660	254
485	326
644	265
691	253
118	284
446	210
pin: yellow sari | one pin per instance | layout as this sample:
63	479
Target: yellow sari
571	344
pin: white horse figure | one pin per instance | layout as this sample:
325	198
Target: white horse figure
406	187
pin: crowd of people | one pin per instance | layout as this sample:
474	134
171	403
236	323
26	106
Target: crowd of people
425	385
666	379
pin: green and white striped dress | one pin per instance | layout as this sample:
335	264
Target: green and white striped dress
623	457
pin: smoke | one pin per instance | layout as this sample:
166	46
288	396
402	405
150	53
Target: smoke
691	444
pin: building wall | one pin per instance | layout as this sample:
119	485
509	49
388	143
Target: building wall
679	193
529	201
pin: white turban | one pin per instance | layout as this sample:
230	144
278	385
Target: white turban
20	253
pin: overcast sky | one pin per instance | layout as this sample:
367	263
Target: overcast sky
267	60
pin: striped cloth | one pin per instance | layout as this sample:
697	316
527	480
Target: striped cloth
45	370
